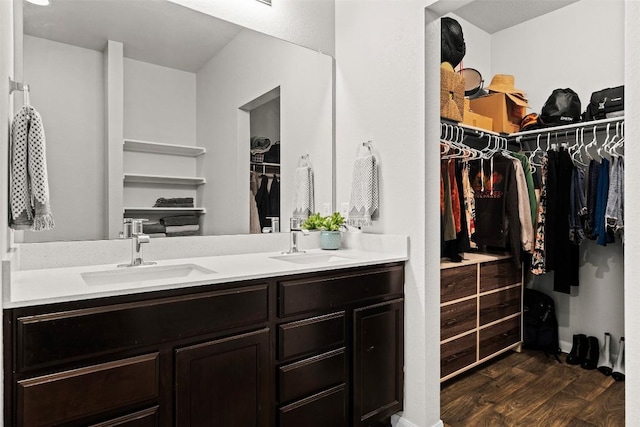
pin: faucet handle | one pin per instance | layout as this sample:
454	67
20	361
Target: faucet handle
136	225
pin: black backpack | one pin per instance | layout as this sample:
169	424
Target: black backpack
540	323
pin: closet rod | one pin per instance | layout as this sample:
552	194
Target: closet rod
555	129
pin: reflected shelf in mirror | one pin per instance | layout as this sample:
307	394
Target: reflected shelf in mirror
161	148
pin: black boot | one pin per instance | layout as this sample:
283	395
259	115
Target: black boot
593	353
578	351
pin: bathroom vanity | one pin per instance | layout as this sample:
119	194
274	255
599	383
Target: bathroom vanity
304	345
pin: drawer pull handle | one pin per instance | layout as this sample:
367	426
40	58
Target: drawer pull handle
451	358
371	348
506	334
504	305
451	322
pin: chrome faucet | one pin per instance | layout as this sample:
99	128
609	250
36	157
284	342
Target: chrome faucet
132	229
296	229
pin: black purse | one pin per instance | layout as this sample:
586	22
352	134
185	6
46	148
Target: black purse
604	103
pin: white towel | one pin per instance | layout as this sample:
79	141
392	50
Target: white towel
30	207
363	205
303	198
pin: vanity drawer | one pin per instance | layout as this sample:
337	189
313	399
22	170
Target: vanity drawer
458	318
311	375
79	393
457	354
337	290
458	282
498	305
311	335
498	274
53	338
499	336
325	409
145	418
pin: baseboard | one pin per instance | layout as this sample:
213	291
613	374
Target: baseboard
565	346
398	421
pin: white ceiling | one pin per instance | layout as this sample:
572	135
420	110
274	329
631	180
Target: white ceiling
496	15
155	31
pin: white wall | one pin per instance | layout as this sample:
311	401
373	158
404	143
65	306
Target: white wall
248	67
308	23
570	55
380	96
67	88
159	103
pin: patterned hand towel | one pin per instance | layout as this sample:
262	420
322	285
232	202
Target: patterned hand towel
30	207
303	204
363	205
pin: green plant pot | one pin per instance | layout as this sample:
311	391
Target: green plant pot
330	240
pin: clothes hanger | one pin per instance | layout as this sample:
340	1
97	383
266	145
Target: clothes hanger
600	150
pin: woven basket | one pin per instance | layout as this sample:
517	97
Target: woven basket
451	95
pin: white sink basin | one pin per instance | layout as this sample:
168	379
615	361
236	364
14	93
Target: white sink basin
143	273
312	258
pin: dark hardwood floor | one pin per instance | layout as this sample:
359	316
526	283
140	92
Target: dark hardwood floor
530	389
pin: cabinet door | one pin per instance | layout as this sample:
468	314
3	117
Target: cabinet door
224	382
378	362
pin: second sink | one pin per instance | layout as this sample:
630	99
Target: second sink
312	258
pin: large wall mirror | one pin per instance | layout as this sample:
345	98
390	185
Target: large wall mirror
188	80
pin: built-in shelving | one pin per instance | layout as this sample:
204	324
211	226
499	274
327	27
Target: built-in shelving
159	179
161	148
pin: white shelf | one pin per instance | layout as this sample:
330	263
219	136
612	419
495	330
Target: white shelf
161	148
159	179
152	209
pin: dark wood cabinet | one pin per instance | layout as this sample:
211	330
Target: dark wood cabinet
226	380
378	362
315	349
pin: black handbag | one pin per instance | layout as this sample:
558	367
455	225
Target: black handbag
604	102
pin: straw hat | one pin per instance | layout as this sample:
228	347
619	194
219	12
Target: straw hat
504	83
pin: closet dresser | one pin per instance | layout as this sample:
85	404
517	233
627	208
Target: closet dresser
480	311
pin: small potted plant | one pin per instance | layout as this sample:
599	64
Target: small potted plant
329	227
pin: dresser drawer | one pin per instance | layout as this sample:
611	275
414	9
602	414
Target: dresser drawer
499	336
338	290
58	337
498	305
311	375
311	335
325	409
498	274
458	318
457	354
79	393
458	282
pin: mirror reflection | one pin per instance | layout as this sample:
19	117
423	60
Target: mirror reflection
152	110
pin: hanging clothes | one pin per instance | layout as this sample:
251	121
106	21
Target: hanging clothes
539	254
448	221
593	174
577	208
469	201
496	199
274	197
262	200
254	215
601	231
564	254
453	248
531	189
614	213
527	235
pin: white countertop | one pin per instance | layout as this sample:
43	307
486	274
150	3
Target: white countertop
53	285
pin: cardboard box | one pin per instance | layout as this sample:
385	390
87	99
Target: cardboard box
474	119
506	110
